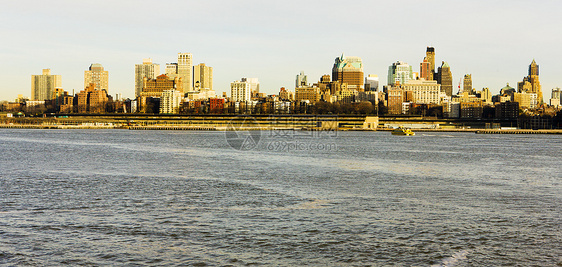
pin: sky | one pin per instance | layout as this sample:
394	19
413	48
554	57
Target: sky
273	41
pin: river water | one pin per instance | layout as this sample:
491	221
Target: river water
152	198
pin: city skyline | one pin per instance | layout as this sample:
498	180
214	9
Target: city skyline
276	41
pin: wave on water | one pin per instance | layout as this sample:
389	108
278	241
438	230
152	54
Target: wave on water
439	135
453	260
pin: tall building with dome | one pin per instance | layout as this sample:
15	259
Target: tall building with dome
349	70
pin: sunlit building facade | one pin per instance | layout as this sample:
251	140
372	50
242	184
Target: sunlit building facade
399	73
146	69
43	86
185	67
349	70
98	76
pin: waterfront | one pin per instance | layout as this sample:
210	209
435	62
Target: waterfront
119	197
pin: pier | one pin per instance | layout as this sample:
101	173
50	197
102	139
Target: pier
518	131
226	122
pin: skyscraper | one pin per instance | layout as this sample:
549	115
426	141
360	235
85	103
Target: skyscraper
185	67
43	86
486	95
170	101
348	70
467	84
254	85
445	78
555	97
371	83
146	69
301	80
534	68
239	91
430	57
98	76
399	72
531	84
202	77
425	70
171	70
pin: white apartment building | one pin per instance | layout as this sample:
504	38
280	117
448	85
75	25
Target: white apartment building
254	85
240	91
170	101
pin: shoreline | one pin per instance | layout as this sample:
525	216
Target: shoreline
267	128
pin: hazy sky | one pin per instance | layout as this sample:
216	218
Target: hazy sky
495	41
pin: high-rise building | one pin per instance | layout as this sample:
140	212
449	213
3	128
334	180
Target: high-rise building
445	78
425	70
185	67
525	100
555	97
534	68
254	85
486	95
98	76
430	57
372	83
427	67
146	69
43	86
170	101
348	70
202	77
531	84
301	80
399	72
240	91
467	84
171	70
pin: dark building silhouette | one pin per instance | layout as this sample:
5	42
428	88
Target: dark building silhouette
445	78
